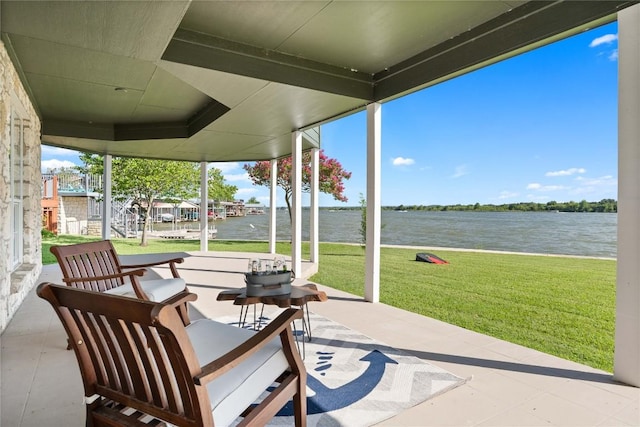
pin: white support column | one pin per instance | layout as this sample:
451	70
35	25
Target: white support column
626	366
314	243
106	193
372	266
272	206
204	208
296	202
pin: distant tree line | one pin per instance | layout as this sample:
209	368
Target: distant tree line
604	205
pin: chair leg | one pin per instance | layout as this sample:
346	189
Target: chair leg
300	404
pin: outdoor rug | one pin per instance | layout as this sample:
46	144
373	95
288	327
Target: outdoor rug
355	381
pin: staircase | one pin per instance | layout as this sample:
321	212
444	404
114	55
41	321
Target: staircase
124	220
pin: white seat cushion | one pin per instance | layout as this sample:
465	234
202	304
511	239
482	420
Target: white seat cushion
235	390
157	290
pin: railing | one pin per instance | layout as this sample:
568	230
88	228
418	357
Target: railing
80	183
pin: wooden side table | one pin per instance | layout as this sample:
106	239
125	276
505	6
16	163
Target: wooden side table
300	296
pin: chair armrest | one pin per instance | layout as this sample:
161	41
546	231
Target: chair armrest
153	263
180	298
151	260
131	273
179	302
226	362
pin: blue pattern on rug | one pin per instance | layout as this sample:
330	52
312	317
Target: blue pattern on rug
355	381
331	399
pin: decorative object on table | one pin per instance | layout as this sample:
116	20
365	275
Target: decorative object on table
266	278
299	296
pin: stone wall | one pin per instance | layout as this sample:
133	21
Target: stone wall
72	216
15	284
94	227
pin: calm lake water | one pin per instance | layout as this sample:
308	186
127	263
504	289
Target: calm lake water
592	234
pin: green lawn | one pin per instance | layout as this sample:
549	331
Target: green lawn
559	305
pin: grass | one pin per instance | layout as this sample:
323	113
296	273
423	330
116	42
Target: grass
559	305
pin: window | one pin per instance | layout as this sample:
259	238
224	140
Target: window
16	166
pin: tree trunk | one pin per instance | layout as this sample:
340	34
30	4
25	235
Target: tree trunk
143	241
287	198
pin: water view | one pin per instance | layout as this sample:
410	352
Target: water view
590	234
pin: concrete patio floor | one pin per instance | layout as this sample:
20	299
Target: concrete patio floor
509	385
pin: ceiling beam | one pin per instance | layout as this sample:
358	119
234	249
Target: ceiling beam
523	26
77	129
205	51
136	131
206	116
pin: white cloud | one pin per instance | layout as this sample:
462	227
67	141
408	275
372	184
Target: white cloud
566	172
237	177
402	161
614	55
603	180
225	166
605	183
554	188
546	188
507	195
55	164
460	171
606	39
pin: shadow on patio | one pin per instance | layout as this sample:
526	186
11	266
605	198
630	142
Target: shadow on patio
510	385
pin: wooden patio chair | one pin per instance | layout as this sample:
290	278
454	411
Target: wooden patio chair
140	364
96	266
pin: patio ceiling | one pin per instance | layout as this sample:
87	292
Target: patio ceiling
230	80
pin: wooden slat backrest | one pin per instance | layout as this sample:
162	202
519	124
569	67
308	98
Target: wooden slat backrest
133	352
89	260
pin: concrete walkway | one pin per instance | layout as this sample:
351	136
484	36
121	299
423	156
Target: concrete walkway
510	385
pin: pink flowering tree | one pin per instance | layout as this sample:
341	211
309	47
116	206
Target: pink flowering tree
331	176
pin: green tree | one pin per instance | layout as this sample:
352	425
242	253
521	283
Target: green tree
217	189
92	163
331	176
583	206
147	181
253	201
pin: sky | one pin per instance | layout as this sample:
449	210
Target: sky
538	127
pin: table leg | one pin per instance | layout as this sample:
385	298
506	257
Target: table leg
260	318
255	326
243	319
303	353
305	308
